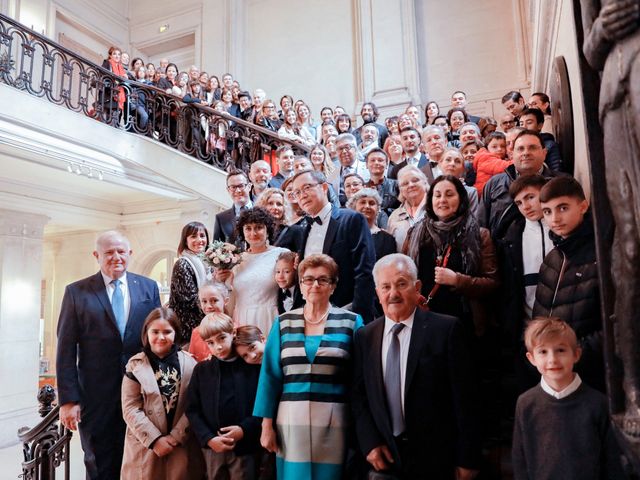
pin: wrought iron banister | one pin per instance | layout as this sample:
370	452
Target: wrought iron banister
47	445
36	64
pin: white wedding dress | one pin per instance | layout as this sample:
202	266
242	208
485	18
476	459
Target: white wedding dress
255	291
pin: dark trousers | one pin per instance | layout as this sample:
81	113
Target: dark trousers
102	439
413	467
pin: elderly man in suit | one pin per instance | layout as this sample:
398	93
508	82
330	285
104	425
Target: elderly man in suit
342	234
239	187
98	331
413	394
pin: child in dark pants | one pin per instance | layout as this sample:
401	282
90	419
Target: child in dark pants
568	285
220	403
249	343
562	428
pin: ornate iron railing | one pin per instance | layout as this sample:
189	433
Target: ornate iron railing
37	65
47	445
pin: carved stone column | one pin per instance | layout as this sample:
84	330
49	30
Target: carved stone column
20	299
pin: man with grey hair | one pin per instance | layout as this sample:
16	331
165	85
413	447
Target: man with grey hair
342	234
260	175
435	141
413	380
194	73
164	63
99	329
468	132
350	162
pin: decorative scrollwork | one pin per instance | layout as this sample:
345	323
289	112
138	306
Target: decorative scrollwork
45	446
60	76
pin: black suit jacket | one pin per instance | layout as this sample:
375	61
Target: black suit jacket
203	402
225	226
91	356
393	173
442	422
349	243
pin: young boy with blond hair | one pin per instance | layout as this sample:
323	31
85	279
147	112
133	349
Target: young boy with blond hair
562	427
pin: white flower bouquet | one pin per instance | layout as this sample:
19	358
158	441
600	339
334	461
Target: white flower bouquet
221	255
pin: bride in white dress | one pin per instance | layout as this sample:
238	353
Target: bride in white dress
254	295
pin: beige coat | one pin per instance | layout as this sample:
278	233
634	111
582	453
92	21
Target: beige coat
146	420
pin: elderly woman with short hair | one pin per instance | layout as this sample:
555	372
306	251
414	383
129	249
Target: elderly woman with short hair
413	186
306	370
367	202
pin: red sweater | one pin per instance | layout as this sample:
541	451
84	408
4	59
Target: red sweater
486	166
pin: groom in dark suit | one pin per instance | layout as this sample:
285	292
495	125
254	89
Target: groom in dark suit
342	234
98	331
413	395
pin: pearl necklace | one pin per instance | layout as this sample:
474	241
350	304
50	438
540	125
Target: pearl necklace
316	322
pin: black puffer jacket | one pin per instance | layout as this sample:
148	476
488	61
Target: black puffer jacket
568	288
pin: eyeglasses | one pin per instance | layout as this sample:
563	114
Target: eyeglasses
322	281
344	148
507	122
237	188
304	190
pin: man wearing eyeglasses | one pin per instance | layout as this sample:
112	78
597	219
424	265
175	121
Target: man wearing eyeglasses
342	234
507	122
350	162
238	186
497	210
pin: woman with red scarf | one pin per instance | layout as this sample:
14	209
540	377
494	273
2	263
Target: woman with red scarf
113	102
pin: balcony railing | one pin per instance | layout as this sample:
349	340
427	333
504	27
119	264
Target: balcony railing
35	64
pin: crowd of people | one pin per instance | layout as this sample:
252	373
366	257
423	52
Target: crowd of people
404	289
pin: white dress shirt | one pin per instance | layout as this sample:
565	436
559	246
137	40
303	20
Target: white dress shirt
315	240
415	159
287	303
238	208
404	337
124	287
566	391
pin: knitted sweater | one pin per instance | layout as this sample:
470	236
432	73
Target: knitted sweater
564	439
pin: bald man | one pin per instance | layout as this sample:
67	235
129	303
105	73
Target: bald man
99	329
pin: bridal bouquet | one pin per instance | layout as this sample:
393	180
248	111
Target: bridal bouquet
221	255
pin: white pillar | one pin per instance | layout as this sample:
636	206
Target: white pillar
20	301
386	54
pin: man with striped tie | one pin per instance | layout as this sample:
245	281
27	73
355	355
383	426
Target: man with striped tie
99	329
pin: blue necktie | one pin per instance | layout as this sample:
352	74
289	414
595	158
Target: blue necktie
392	382
117	304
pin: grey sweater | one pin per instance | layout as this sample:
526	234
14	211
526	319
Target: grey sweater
564	439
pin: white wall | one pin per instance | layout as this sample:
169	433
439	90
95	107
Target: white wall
304	49
476	47
107	20
555	35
